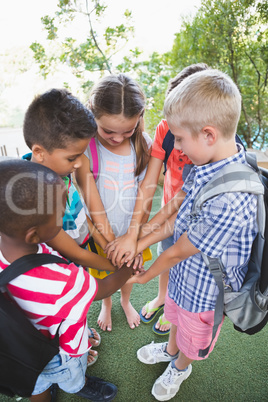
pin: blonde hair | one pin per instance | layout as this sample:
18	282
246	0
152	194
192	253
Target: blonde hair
205	98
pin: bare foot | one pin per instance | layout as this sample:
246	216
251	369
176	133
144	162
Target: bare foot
91	357
163	327
105	317
132	315
153	304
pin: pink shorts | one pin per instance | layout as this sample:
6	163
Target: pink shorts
194	330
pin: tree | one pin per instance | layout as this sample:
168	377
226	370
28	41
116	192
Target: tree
153	75
94	53
231	36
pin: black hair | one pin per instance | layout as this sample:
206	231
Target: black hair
56	118
28	194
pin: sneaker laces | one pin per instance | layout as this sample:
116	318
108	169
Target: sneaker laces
158	349
169	375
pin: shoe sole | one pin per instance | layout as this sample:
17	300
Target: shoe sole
168	397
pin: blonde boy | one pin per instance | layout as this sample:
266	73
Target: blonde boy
202	113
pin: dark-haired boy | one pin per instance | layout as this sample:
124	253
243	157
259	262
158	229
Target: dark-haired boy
57	128
54	296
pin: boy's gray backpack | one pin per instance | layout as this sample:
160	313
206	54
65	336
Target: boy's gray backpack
248	308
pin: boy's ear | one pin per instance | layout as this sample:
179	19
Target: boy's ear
210	134
31	236
38	153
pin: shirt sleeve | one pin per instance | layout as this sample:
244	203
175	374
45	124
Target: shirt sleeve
221	221
157	150
77	295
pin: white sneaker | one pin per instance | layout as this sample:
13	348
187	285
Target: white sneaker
155	353
168	384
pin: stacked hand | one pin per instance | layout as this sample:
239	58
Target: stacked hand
123	250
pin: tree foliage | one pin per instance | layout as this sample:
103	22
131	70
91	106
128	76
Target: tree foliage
232	36
92	53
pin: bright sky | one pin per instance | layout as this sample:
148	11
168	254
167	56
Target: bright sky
155	21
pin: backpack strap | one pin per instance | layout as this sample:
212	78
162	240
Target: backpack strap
235	177
26	263
167	145
239	141
93	155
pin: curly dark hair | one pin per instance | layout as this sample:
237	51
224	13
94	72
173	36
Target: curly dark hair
28	195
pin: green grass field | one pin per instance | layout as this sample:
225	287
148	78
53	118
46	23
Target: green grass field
236	370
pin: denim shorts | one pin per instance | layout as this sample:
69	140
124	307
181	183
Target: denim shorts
68	372
164	245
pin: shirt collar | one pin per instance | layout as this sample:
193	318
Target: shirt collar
205	172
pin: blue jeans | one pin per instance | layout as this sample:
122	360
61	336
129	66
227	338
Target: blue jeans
66	371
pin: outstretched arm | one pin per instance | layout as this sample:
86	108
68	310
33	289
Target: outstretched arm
97	236
126	245
68	248
180	251
157	233
167	213
111	283
87	185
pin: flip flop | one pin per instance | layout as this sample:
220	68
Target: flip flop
150	310
95	358
157	330
91	335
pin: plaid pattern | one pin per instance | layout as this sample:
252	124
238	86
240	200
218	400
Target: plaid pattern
225	227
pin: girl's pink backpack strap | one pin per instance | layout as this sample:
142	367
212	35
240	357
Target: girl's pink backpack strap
94	157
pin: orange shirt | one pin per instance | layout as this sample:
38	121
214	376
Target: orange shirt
175	164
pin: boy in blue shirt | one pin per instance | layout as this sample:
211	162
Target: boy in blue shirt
202	113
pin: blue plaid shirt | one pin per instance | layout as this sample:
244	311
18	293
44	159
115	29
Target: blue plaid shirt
225	227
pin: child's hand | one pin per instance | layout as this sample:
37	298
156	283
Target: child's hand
138	277
137	262
121	249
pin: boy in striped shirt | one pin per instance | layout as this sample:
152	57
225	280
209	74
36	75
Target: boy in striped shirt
53	296
57	128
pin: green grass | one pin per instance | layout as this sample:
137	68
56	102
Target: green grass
235	371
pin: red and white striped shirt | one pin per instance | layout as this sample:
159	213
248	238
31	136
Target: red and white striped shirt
55	294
